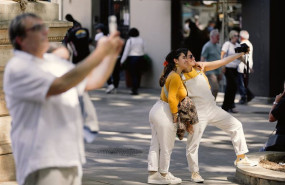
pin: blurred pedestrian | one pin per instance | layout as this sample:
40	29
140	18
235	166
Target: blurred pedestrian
133	55
163	117
231	72
243	72
78	39
212	51
114	79
207	30
41	91
195	41
208	112
99	29
186	28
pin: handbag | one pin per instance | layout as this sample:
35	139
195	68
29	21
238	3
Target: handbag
187	115
275	142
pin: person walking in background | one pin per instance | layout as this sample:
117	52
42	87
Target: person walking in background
209	113
243	72
196	40
99	29
114	79
212	51
231	72
78	40
133	55
41	91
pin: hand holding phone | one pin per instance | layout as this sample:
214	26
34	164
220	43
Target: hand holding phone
112	24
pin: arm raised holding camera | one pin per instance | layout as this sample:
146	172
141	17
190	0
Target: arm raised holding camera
208	66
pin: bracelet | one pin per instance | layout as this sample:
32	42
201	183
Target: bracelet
275	103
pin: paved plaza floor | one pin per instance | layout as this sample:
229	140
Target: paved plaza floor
119	154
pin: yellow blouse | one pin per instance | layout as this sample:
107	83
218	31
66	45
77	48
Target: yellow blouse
176	91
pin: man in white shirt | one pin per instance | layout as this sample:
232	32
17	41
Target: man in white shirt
41	92
245	93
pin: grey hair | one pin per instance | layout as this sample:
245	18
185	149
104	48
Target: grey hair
17	28
214	32
232	33
244	34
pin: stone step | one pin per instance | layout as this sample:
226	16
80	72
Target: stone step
5	140
258	175
9	183
46	10
7	168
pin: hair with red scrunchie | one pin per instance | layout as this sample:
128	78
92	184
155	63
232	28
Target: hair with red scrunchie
165	63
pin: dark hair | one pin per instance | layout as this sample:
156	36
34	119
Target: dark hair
134	32
69	18
17	28
171	64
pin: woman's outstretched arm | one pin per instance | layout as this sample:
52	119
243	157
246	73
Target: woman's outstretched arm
208	66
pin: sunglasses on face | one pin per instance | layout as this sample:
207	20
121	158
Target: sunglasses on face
235	35
37	27
191	56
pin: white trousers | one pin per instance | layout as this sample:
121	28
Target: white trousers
163	137
221	119
55	176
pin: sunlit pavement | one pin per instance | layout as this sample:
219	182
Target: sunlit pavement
119	153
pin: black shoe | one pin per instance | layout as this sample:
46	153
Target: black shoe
233	110
249	98
134	93
242	101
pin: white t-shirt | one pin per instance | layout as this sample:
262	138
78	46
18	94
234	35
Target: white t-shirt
134	47
229	49
46	132
249	57
98	36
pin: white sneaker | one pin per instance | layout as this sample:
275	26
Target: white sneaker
245	162
196	177
157	178
110	88
173	180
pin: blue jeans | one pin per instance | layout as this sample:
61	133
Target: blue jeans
241	87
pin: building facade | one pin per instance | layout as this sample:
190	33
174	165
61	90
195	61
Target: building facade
160	23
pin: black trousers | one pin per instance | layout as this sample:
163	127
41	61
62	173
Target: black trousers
231	88
134	68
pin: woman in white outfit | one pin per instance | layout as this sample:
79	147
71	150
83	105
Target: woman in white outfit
199	91
163	118
133	53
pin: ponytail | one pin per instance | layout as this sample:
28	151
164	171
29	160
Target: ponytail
169	64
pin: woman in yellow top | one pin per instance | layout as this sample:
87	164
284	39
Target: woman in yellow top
199	91
162	117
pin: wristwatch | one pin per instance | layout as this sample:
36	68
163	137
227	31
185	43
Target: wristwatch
275	103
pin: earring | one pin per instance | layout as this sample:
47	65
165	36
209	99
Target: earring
176	65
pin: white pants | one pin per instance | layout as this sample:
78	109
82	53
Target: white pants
163	137
55	176
221	119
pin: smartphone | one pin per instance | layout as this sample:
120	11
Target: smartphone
112	24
